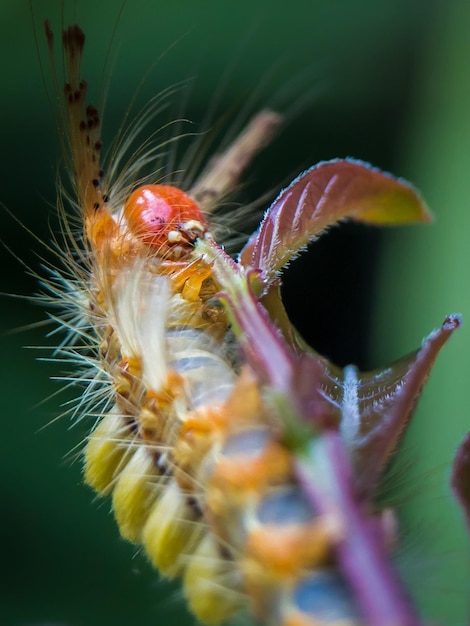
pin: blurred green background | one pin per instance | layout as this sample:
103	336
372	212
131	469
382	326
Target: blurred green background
387	82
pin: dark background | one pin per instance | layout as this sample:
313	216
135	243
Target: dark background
386	82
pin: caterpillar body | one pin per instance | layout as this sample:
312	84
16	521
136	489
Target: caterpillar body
189	443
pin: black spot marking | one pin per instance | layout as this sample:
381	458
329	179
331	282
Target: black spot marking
91	111
194	505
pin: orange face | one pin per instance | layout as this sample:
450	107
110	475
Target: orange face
162	215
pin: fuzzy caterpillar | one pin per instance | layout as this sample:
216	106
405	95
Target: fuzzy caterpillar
191	448
161	341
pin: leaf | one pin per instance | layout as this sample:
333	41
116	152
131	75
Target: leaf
320	197
376	407
461	476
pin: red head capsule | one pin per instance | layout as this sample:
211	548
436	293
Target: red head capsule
162	215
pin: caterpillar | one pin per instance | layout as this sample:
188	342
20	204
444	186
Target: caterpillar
240	460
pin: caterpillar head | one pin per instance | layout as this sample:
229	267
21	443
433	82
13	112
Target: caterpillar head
164	218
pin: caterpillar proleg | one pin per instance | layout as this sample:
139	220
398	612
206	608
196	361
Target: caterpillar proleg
241	461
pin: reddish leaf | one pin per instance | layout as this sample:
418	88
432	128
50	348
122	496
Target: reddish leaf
376	407
321	196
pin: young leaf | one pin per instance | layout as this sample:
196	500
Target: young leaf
376	406
320	197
